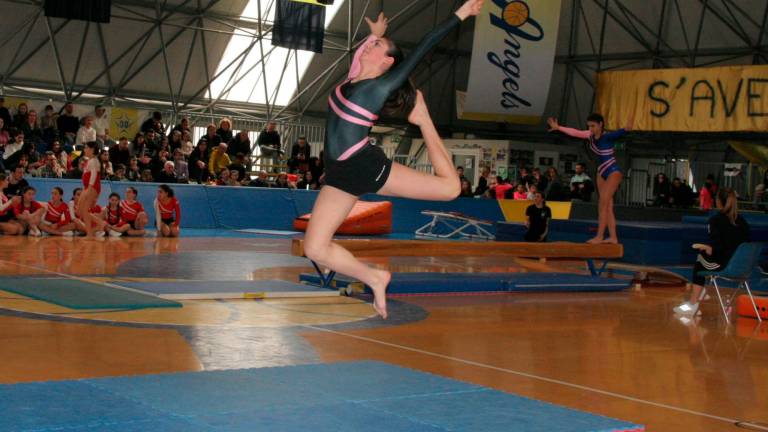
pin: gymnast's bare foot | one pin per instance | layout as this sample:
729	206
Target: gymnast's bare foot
595	240
380	292
611	240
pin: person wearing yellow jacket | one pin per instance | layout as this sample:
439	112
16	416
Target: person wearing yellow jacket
219	160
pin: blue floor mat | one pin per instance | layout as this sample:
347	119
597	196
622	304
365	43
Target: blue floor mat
338	397
226	289
77	294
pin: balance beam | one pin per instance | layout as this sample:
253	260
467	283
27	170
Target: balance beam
426	248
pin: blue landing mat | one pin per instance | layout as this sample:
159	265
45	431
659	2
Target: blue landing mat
437	283
338	397
227	289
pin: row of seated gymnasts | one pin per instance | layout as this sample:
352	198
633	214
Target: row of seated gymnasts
23	214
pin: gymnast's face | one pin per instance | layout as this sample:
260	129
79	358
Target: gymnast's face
595	127
377	55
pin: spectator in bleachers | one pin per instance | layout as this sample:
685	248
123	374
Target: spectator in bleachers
537	179
219	160
300	153
167	174
183	126
555	190
164	146
78	167
238	164
107	169
241	143
283	183
22	112
68	125
62	158
707	193
167	212
269	144
532	191
48	124
223	178
4	136
198	163
537	217
146	176
308	182
581	185
524	177
158	162
466	189
460	173
139	145
234	178
101	125
119	175
56	219
16	182
13	150
501	188
661	190
5	115
120	153
186	145
181	167
520	193
86	133
28	213
175	141
32	131
261	180
316	166
211	137
153	141
51	169
482	182
225	130
154	123
133	173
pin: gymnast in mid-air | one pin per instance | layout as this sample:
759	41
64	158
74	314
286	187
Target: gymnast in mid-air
378	82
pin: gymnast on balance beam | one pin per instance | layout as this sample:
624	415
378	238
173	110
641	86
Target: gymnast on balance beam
378	82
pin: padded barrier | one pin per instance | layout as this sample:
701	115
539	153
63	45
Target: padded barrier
744	306
273	209
366	218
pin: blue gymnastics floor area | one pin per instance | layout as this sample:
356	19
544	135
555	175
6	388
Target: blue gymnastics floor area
338	397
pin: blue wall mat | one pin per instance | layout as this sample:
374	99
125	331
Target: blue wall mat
338	397
407	215
244	207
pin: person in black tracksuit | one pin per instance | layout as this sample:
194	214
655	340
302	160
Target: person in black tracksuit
727	230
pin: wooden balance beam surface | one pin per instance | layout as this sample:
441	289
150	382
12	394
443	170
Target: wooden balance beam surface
420	248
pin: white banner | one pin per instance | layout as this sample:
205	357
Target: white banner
512	59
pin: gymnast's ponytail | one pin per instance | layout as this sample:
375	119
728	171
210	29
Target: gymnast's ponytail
403	99
729	203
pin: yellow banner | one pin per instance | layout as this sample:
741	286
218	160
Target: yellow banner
721	99
514	210
124	122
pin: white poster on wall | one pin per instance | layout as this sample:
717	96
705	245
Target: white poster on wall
512	59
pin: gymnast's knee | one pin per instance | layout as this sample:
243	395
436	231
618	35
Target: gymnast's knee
450	190
315	250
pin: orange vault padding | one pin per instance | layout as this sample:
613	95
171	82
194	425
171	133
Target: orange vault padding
365	218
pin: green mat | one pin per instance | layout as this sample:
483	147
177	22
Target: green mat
76	294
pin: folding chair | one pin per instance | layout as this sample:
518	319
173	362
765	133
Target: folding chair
739	269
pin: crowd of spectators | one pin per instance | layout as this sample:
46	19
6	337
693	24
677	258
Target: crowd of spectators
528	183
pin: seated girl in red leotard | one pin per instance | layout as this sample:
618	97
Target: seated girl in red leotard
133	218
7	226
167	212
28	213
57	219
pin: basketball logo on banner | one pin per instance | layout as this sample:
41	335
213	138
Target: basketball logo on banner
512	60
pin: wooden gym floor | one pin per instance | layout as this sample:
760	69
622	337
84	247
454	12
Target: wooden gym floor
623	355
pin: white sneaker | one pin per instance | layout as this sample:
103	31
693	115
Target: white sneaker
113	233
68	234
99	234
35	232
686	308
